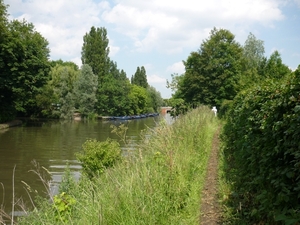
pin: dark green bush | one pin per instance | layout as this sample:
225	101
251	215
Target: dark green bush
262	138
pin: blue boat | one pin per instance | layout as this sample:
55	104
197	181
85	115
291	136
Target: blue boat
122	118
134	116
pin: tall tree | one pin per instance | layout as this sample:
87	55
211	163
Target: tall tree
213	71
6	107
24	62
253	60
155	99
63	81
85	89
3	20
274	68
95	52
140	77
253	52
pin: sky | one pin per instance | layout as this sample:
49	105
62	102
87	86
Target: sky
160	34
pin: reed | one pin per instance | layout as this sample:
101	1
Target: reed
160	183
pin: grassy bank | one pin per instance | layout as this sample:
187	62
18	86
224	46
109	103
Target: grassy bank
160	183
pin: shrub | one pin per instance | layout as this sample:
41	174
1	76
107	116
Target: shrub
63	205
97	156
262	143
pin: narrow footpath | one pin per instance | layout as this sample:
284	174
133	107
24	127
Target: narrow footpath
210	213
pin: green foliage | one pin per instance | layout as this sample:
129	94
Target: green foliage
252	62
175	83
67	183
85	89
63	205
62	83
213	71
95	52
262	146
24	67
54	63
253	52
97	156
274	68
139	100
140	77
3	20
121	132
179	107
155	99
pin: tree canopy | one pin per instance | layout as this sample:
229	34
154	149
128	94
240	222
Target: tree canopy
24	63
140	77
33	85
212	72
95	52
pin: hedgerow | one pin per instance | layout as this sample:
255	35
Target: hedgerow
262	145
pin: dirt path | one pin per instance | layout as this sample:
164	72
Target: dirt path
209	204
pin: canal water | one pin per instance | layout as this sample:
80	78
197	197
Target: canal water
51	145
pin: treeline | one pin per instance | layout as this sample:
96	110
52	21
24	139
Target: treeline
259	98
220	69
33	85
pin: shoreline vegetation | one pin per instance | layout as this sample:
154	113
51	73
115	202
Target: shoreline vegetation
159	182
10	124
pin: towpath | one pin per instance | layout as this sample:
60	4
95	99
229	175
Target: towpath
210	212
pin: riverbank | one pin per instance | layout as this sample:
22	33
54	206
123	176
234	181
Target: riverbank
159	182
10	124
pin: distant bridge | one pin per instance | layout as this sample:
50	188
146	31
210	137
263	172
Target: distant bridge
165	110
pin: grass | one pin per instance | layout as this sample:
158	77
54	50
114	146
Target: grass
160	183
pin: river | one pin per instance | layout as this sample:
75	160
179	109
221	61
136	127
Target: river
51	144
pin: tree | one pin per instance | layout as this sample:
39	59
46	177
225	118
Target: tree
213	71
155	99
140	77
253	59
85	89
63	82
253	52
95	52
138	100
274	68
176	85
24	62
53	63
3	20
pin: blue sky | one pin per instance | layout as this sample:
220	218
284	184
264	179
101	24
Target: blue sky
159	34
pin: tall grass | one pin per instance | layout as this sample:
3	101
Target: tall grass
160	183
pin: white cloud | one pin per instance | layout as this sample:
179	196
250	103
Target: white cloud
164	25
61	23
177	67
155	79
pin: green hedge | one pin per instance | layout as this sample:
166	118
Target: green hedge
262	138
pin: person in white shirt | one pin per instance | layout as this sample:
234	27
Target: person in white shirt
214	109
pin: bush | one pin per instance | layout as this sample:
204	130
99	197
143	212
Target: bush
262	145
97	156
